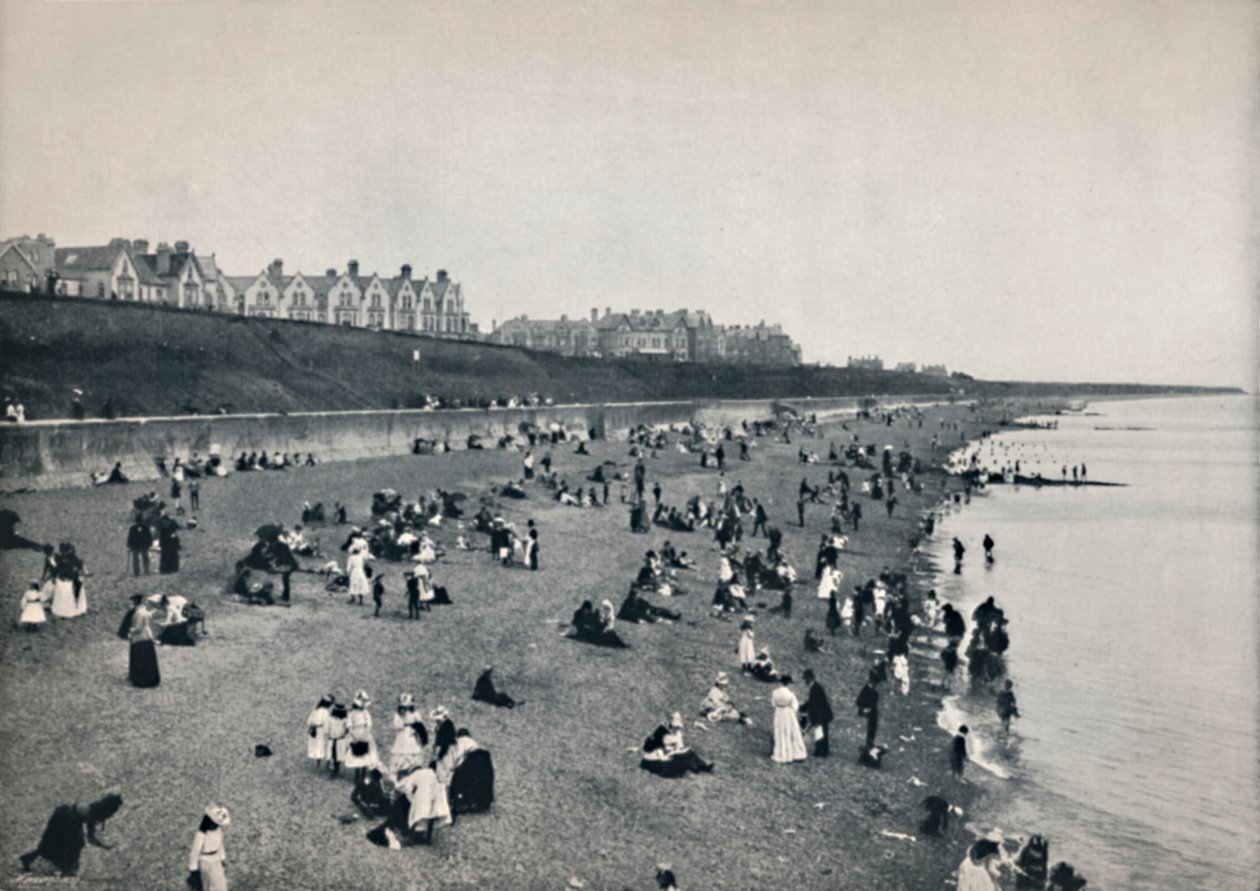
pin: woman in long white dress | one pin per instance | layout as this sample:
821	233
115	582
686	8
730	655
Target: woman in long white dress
356	568
789	745
747	644
69	599
408	748
828	582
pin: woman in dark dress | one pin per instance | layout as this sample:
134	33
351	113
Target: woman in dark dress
64	838
143	668
170	545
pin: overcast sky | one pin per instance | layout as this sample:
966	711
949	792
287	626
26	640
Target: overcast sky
1038	190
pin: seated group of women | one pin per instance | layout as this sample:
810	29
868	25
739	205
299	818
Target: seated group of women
666	754
596	626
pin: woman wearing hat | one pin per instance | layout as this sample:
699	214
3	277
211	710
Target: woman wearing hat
68	598
717	706
666	754
205	860
977	871
143	664
362	750
411	737
317	743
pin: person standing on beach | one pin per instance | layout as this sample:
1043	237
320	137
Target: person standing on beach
988	548
1006	707
139	541
959	550
868	705
789	746
817	711
800	510
205	860
958	752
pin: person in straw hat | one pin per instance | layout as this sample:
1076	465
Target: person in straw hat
410	738
717	706
205	860
362	750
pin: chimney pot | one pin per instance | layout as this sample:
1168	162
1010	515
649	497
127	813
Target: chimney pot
595	314
406	271
441	275
181	247
140	245
330	272
353	268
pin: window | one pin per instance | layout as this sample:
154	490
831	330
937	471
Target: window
376	301
407	302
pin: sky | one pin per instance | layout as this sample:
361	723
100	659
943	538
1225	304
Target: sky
1036	190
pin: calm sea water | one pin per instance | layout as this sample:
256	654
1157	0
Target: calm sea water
1133	624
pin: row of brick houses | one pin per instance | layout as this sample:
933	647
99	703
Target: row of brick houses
175	275
679	336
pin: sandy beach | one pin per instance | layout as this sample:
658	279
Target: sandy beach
572	802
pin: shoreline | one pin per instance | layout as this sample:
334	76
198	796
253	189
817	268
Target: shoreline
671	669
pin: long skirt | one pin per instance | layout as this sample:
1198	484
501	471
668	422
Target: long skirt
169	561
789	745
212	876
64	604
472	784
143	669
32	614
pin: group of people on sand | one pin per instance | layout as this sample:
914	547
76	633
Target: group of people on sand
59	591
427	779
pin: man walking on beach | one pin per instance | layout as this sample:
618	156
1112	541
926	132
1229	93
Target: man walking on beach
988	548
800	510
959	550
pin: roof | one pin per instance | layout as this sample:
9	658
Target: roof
87	259
209	268
21	253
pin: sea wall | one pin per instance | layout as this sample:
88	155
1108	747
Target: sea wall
59	454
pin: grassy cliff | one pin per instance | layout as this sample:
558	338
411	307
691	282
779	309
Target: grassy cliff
151	360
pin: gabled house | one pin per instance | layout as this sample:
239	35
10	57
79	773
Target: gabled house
104	272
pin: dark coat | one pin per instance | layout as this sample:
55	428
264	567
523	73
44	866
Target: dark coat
817	708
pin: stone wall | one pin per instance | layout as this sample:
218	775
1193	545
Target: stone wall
58	454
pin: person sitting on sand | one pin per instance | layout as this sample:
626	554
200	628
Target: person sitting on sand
484	691
978	871
592	627
717	706
635	609
666	754
763	667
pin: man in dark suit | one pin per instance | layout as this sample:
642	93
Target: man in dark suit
139	540
817	710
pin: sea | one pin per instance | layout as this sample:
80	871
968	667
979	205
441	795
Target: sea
1133	623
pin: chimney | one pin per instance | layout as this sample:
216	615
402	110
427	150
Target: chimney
331	273
353	268
140	245
406	272
634	313
163	258
441	275
276	268
595	314
181	247
563	317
